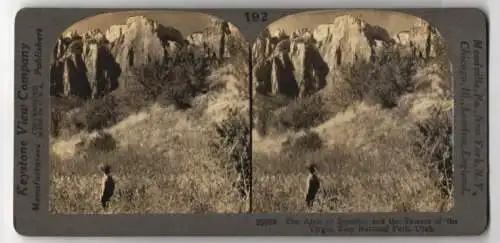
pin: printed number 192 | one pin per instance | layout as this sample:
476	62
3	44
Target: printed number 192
256	16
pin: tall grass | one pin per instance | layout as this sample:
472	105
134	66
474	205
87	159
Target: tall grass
383	177
373	154
162	158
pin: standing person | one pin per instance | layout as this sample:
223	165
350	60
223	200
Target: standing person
313	185
108	186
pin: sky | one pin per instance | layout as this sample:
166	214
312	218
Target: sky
189	22
393	22
186	22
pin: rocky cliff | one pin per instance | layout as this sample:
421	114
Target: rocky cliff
216	39
83	66
91	64
299	64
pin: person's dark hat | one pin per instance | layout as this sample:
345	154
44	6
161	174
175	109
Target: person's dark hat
106	169
312	167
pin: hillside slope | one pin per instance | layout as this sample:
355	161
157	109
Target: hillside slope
370	108
152	116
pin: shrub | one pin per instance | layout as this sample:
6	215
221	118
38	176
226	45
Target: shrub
307	141
435	146
264	117
304	113
177	79
59	110
100	113
282	113
264	110
232	141
103	142
380	81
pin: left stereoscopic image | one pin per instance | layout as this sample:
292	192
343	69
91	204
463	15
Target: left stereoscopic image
149	114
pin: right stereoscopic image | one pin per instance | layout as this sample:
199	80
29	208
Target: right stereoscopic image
352	112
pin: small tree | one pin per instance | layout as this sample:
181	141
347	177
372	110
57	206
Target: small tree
436	146
232	140
304	113
382	80
101	113
177	78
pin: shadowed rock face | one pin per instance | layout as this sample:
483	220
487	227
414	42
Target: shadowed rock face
83	67
426	42
213	39
291	66
102	69
68	72
94	64
297	66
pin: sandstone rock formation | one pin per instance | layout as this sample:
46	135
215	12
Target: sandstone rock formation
91	64
83	66
293	66
425	41
297	65
141	41
347	40
213	39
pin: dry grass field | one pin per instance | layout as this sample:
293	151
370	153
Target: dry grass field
379	147
366	164
164	147
161	159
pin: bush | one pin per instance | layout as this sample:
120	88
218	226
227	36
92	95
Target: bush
100	113
264	110
177	79
282	113
69	116
264	117
232	141
308	141
103	142
381	81
59	110
435	146
304	113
